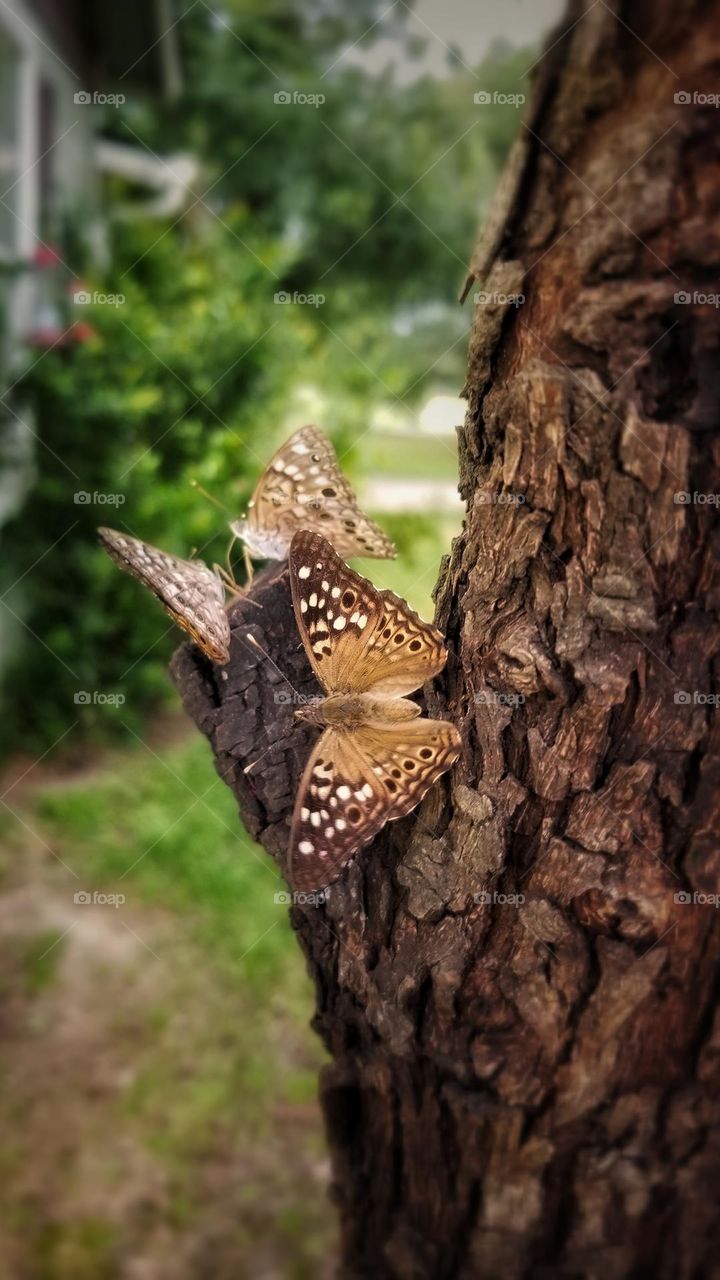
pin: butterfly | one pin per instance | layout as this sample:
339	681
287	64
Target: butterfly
376	757
303	487
190	592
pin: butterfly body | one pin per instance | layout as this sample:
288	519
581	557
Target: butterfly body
350	711
263	544
377	756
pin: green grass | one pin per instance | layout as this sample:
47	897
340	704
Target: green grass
222	1044
39	959
164	829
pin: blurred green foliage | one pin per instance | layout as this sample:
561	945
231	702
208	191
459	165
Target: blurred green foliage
370	199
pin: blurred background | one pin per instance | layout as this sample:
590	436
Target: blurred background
217	223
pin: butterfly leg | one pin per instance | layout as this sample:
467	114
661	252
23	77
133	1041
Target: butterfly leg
248	567
235	590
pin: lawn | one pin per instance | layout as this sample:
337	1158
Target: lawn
190	1077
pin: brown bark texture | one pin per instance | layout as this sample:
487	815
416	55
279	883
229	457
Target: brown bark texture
517	983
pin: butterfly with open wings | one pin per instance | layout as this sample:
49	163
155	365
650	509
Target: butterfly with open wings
302	487
376	757
190	592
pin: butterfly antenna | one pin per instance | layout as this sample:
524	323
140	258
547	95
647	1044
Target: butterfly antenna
215	501
248	768
251	640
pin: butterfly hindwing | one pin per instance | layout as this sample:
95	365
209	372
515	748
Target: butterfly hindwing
408	757
187	589
340	806
354	783
303	487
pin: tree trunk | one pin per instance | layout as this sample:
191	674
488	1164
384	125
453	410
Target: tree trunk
516	983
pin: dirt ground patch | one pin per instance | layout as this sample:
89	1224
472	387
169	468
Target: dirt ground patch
136	1144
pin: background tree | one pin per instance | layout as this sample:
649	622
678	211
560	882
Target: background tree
516	984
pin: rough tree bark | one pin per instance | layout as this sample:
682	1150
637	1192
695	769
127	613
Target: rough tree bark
529	1088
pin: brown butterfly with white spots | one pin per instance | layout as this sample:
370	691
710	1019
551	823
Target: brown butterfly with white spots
303	487
376	757
190	592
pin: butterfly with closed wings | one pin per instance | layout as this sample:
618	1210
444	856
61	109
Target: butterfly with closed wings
302	487
190	592
376	757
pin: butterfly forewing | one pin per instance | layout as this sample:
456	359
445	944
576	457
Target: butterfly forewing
357	638
302	487
187	589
